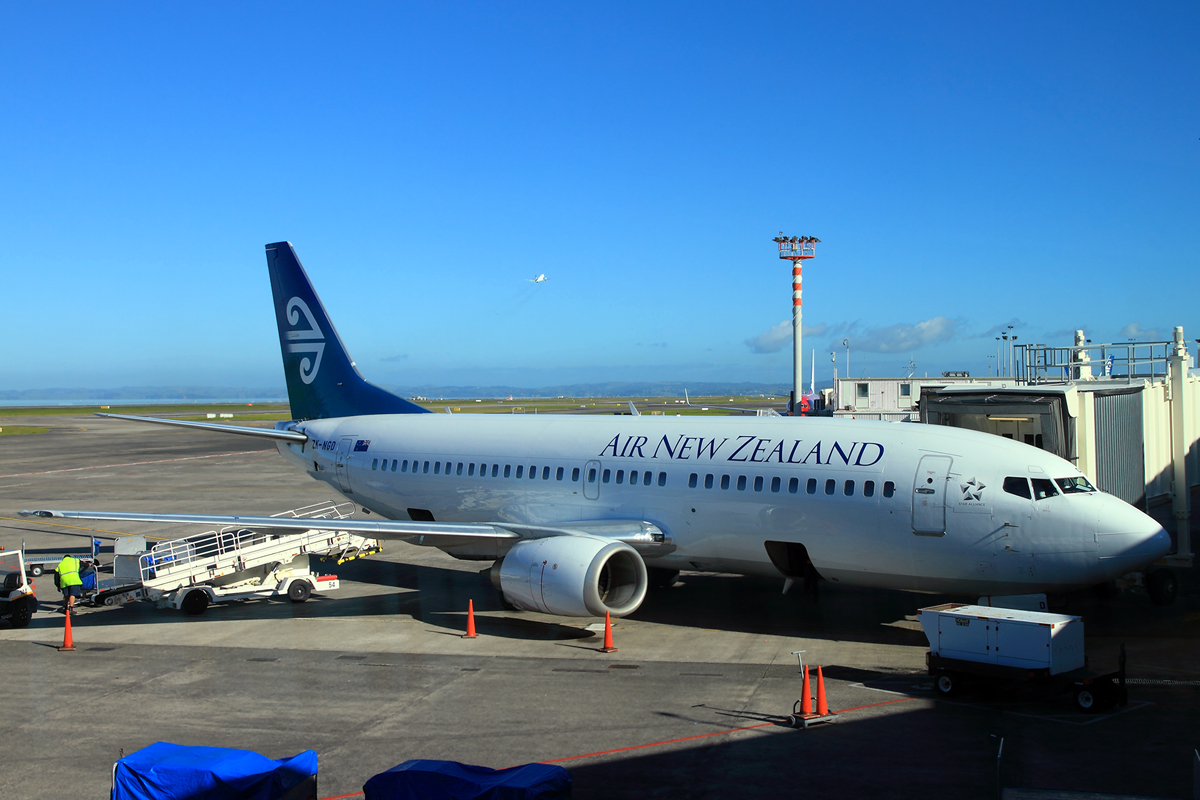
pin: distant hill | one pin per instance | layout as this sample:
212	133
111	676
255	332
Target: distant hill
142	393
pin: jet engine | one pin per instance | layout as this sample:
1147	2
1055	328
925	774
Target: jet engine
572	576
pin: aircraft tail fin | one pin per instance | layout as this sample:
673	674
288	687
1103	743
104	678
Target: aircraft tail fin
322	380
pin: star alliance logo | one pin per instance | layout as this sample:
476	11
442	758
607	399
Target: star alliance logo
972	490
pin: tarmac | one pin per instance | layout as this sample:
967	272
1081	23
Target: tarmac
693	703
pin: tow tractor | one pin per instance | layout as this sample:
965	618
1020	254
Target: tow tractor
235	564
17	601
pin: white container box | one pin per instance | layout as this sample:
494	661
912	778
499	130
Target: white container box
1005	637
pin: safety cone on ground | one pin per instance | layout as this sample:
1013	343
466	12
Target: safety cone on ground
806	697
608	642
68	642
822	706
470	634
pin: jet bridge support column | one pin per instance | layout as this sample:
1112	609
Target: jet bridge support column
1180	440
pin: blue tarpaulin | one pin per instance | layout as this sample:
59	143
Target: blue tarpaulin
419	780
165	771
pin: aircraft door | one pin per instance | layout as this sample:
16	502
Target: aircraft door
929	496
591	480
341	464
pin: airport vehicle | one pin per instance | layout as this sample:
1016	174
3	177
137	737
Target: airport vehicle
1045	650
38	563
575	511
236	563
18	603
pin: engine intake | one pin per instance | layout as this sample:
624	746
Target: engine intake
572	576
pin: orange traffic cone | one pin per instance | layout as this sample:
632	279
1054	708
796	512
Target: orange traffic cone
608	642
806	697
68	643
822	706
470	634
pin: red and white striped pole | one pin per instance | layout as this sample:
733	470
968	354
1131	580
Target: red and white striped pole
796	249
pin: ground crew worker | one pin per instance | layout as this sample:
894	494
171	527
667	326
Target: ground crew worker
69	581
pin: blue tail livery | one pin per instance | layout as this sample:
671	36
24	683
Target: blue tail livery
322	380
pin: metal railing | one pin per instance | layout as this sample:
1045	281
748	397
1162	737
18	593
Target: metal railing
1128	361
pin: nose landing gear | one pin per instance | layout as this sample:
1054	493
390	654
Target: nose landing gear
1162	586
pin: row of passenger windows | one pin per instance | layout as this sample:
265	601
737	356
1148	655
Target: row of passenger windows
810	487
449	467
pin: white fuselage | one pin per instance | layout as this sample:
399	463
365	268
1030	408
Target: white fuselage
901	506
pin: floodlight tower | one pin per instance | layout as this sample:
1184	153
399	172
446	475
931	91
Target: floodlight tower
796	249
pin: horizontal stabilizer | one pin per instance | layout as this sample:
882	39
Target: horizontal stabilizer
262	433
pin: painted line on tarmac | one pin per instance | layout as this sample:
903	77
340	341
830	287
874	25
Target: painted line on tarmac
24	520
135	463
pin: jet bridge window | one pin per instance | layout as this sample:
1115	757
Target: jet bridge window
662	479
794	485
868	488
1018	487
575	475
889	488
848	488
775	484
1043	488
830	486
811	486
693	480
758	483
708	481
724	481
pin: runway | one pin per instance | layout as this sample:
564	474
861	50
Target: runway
376	673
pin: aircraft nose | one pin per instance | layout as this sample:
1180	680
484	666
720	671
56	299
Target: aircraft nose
1128	540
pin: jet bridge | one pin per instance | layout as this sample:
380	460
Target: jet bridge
237	563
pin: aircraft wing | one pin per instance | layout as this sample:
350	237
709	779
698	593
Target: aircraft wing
646	537
262	433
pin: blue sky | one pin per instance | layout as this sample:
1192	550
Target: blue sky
965	166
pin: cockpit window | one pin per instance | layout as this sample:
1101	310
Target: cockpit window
1074	485
1043	488
1018	486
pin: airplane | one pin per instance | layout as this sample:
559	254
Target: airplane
580	515
538	278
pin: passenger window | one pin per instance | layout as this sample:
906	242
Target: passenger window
693	479
741	484
708	481
848	489
495	470
520	470
437	468
470	469
662	479
724	481
869	489
889	488
647	476
532	471
425	468
458	471
448	465
394	465
794	485
758	483
830	486
1043	488
575	475
558	474
604	476
633	477
545	473
620	476
1018	486
374	463
404	465
592	475
483	470
775	482
811	486
508	471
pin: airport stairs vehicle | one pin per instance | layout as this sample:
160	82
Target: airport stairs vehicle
238	563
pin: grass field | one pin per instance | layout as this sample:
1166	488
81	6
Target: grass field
144	410
20	430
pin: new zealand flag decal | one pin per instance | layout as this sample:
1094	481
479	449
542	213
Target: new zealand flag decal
361	445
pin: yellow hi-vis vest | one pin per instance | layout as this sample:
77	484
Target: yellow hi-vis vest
68	572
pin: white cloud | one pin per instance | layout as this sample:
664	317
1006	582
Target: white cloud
904	337
777	337
396	357
1135	331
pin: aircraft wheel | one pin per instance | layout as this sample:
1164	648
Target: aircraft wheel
1163	586
299	591
194	603
946	684
35	570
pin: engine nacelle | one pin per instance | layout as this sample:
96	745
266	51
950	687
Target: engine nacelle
572	576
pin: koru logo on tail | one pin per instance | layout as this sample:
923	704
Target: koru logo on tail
305	340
